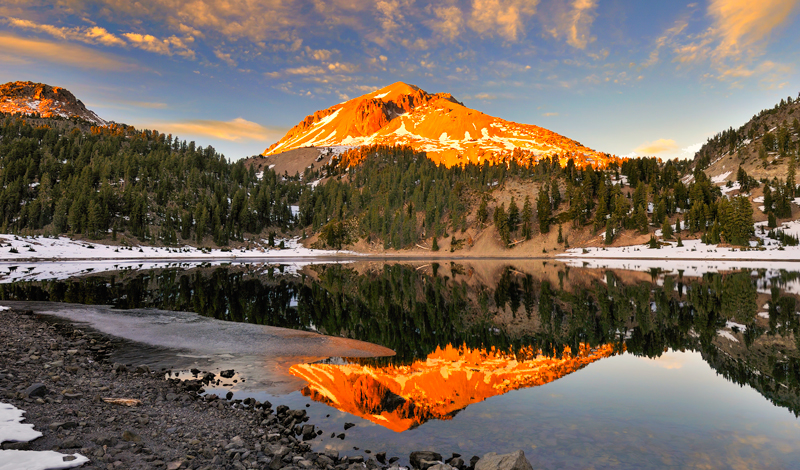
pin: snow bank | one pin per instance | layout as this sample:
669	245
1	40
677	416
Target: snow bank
11	427
13	430
37	460
721	178
62	248
692	252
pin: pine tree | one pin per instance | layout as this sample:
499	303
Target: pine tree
767	198
501	223
666	229
609	233
543	209
555	194
483	211
772	221
527	217
560	238
513	215
434	245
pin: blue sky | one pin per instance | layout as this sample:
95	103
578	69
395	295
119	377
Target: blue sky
643	77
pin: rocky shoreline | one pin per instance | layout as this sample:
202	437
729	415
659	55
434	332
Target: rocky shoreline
61	376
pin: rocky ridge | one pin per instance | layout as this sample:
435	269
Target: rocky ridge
37	98
449	132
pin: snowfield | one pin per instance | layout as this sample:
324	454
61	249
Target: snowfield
13	430
42	248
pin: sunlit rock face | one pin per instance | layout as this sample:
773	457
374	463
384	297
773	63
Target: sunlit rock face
448	380
45	100
438	124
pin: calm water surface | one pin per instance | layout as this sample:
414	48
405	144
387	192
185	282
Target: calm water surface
580	368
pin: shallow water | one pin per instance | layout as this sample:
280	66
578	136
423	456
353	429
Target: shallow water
580	368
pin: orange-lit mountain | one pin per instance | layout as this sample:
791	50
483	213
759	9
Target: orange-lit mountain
450	133
448	380
46	100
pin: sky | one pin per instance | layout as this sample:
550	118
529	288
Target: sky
624	77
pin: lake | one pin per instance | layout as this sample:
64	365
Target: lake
580	367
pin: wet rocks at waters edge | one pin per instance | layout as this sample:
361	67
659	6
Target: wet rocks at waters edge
513	461
60	375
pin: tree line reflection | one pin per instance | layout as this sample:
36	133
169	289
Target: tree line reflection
744	323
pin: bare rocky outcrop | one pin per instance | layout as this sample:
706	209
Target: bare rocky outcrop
48	101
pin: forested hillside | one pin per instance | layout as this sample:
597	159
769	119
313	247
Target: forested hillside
396	195
100	182
70	178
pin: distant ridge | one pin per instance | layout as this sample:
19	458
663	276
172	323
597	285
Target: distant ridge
45	100
449	132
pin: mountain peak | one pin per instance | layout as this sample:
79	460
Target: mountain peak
449	132
45	100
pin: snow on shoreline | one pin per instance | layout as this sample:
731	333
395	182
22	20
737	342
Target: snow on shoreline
62	248
44	270
674	258
12	429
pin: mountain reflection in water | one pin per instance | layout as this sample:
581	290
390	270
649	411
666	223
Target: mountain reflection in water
744	323
439	386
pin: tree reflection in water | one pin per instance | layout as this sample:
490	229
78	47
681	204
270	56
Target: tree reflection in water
502	317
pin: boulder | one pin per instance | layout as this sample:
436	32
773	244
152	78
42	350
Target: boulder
226	374
513	461
35	390
417	457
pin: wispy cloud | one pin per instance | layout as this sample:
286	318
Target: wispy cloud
579	23
236	130
572	20
739	33
505	18
167	46
656	147
225	57
91	34
100	36
62	53
740	25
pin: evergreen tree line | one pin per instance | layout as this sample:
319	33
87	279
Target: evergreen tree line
145	184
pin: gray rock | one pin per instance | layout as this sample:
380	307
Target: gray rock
35	390
513	461
381	457
142	369
457	462
426	464
69	443
226	374
440	466
131	436
417	457
308	432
